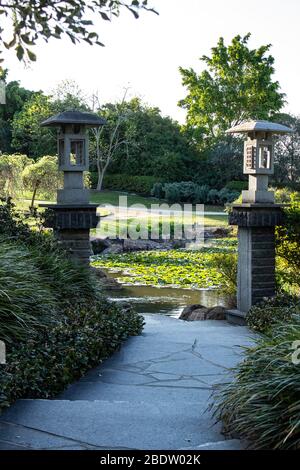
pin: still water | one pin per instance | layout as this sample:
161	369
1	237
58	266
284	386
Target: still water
168	301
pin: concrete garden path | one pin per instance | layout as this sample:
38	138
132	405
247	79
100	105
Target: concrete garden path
152	394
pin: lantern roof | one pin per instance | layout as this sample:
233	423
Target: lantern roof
74	117
259	126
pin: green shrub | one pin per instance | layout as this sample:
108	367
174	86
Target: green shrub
53	318
261	405
264	315
86	334
129	183
158	191
288	248
226	264
237	186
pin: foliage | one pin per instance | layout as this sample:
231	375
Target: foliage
188	269
85	334
261	405
42	175
15	97
131	183
264	315
236	85
11	169
226	264
31	20
152	145
287	153
53	318
237	186
288	247
27	134
189	192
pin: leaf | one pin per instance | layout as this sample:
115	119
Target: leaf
31	55
20	51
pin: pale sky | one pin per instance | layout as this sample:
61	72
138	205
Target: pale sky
146	53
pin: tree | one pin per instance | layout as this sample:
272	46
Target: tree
30	20
43	176
27	134
106	149
16	97
11	169
153	145
287	153
236	85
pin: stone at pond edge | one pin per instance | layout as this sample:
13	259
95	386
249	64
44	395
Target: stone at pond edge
99	244
197	312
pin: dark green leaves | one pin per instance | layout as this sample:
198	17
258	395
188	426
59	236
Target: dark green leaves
34	19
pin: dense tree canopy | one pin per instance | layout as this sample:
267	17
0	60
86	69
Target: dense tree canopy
153	145
237	84
287	153
30	20
16	96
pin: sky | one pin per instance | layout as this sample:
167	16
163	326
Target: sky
145	54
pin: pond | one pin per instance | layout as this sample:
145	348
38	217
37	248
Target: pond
168	301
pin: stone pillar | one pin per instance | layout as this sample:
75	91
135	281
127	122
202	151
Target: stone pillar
256	252
71	225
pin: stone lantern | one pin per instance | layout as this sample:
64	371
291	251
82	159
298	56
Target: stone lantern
256	217
73	217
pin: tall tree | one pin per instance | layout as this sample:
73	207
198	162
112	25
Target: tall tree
237	84
30	20
16	96
287	153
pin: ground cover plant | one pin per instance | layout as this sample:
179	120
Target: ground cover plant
178	268
54	319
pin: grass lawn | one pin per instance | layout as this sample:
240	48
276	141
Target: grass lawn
105	198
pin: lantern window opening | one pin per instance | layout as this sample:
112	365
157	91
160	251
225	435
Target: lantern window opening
265	152
77	152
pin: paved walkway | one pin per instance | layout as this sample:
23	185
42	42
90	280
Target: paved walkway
152	394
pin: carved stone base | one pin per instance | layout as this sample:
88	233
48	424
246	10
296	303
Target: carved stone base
71	225
256	252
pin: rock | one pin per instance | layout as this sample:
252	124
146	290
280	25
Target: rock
141	245
109	283
99	245
199	313
98	272
220	232
187	311
113	249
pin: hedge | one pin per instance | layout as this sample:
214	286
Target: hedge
130	183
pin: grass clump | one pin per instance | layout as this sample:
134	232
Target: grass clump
262	404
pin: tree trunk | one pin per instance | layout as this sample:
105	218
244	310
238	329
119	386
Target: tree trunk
100	180
33	197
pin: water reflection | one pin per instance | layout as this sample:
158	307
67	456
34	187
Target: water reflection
165	300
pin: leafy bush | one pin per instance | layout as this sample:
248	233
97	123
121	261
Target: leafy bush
52	316
130	183
189	192
158	190
226	264
237	186
262	404
288	247
86	333
264	315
